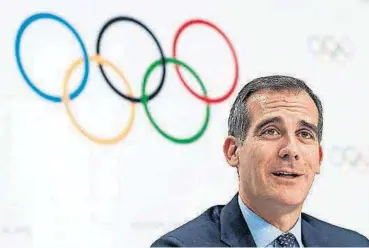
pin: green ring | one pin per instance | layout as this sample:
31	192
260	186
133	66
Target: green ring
145	102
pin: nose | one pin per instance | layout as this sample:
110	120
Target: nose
289	151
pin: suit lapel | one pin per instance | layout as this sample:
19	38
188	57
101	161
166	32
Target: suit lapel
233	227
311	237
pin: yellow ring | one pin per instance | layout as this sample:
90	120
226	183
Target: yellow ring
65	97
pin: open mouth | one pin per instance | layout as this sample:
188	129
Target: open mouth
286	174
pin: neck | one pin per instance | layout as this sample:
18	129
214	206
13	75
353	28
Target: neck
283	217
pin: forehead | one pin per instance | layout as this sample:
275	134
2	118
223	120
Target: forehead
268	103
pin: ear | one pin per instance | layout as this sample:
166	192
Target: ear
230	150
320	158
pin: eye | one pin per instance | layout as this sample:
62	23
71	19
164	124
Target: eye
307	135
271	131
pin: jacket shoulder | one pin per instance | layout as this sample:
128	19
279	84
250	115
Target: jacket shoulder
201	231
336	235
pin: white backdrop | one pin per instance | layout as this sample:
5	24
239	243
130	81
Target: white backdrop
59	189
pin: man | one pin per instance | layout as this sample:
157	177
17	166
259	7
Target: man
275	132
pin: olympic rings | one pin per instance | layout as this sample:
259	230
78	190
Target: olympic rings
329	45
348	155
65	98
145	100
21	30
130	19
174	51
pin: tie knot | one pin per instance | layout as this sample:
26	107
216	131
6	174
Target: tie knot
287	240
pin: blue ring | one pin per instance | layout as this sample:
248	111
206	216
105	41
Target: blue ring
20	32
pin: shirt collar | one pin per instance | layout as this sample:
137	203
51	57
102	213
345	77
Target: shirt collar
263	232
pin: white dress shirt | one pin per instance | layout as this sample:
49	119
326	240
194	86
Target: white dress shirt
264	233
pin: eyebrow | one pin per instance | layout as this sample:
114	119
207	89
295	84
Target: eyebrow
277	120
311	126
265	122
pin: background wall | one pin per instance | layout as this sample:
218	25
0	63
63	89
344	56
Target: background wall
60	189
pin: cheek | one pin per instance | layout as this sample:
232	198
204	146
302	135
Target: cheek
312	159
255	164
250	158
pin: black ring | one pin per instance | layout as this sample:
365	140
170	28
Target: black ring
163	64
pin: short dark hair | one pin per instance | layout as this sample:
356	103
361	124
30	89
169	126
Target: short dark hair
239	118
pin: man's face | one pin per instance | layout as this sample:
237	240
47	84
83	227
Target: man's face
282	138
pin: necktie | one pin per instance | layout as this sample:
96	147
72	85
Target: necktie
287	240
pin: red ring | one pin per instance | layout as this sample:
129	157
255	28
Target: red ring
204	98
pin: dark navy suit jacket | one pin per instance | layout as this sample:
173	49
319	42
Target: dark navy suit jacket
225	226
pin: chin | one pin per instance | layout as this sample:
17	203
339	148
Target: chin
291	201
290	198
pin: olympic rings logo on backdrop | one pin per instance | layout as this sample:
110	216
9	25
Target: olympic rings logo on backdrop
144	99
348	156
330	46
